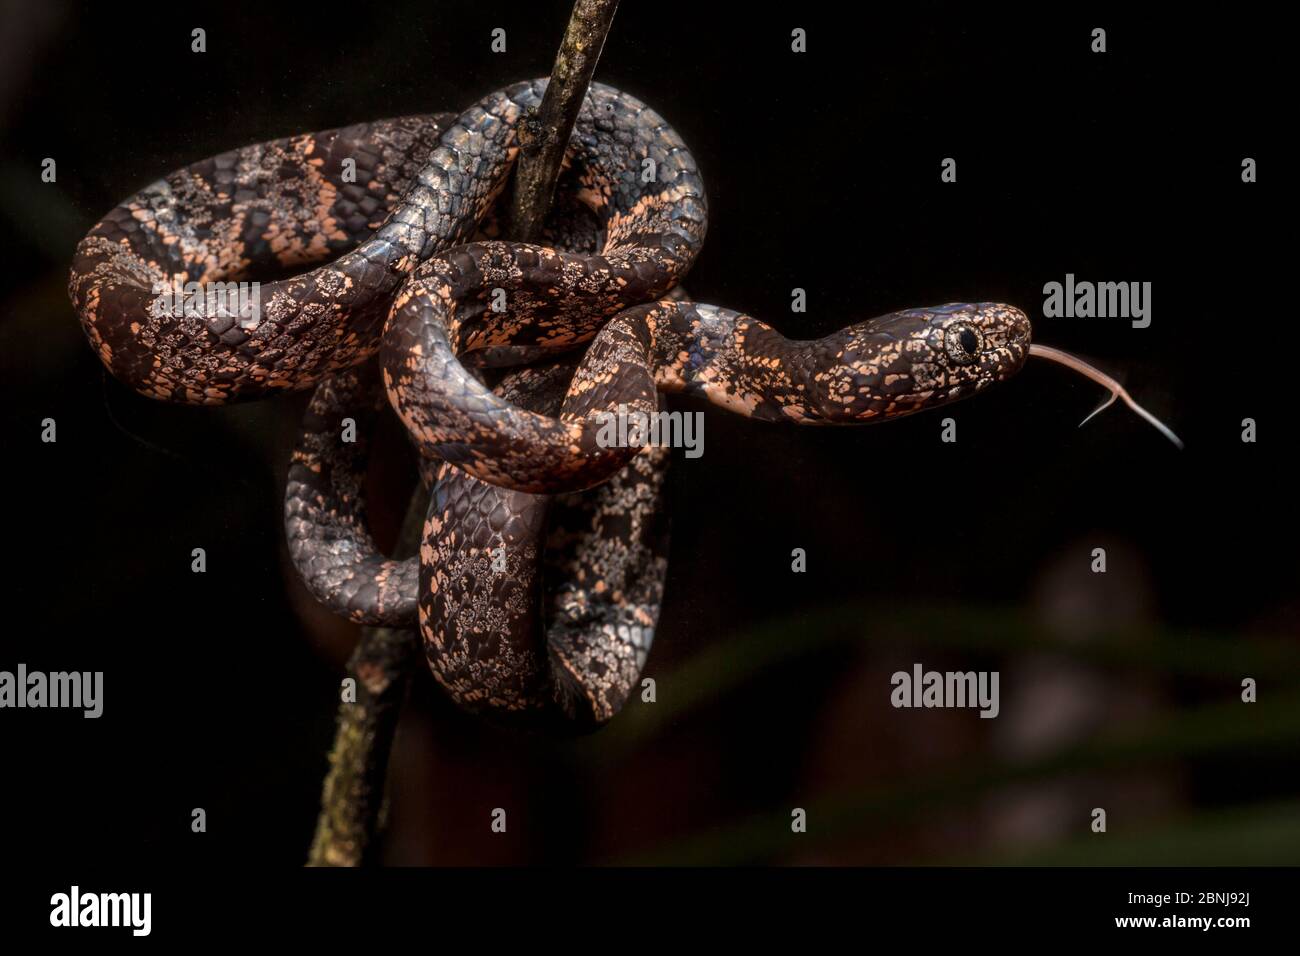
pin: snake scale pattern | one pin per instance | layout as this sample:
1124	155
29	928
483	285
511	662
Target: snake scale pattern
540	572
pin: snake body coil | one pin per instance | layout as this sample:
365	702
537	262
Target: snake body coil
540	574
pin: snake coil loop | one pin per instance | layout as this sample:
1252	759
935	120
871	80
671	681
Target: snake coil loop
540	574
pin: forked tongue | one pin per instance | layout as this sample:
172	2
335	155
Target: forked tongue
1105	381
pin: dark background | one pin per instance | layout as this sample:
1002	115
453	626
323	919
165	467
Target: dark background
822	171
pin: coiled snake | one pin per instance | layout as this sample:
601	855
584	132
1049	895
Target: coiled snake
540	574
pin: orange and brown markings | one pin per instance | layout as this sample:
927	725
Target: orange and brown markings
252	215
386	265
554	300
325	514
893	365
541	609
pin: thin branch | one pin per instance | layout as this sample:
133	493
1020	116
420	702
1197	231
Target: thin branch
352	799
543	138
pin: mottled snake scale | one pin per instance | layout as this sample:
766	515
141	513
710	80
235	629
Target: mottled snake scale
540	572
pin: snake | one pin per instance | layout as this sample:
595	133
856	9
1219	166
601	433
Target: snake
382	283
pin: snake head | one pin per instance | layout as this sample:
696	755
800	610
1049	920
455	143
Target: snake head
916	359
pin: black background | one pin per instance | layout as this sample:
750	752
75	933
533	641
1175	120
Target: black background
822	172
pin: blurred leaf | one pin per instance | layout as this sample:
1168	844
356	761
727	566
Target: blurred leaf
1258	835
1220	728
731	664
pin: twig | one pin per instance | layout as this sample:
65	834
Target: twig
352	800
544	137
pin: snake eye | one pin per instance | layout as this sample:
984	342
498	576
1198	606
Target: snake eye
963	343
